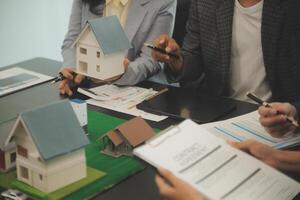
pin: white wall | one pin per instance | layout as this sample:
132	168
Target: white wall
32	28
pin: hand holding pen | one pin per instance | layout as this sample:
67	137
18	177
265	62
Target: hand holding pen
278	119
68	81
167	50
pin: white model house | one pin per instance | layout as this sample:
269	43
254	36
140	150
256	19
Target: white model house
50	147
7	148
101	48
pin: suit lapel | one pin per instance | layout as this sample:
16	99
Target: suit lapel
136	14
271	25
224	17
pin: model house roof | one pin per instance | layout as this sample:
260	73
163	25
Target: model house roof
4	135
55	129
115	138
136	131
109	34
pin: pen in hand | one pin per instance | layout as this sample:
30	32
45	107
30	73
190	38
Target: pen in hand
266	104
61	77
162	51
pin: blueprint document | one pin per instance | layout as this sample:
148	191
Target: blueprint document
213	167
248	127
14	79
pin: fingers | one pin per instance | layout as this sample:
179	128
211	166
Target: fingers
64	88
169	45
164	188
168	176
78	79
266	111
243	146
67	72
273	121
126	64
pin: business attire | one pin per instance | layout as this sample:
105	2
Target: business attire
143	21
212	47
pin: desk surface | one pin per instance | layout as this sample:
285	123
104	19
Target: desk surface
139	186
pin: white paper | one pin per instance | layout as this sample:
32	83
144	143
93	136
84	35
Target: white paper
124	100
213	167
80	109
14	72
248	127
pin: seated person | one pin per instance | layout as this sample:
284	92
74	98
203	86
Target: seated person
142	21
173	188
232	47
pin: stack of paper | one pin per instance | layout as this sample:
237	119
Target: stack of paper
121	99
213	167
248	127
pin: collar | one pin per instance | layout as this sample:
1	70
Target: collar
123	2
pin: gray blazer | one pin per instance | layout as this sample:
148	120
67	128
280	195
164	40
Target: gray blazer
207	47
146	20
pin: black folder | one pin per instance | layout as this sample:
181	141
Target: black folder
182	104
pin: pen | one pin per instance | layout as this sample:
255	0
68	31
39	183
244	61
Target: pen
266	104
158	93
172	55
61	77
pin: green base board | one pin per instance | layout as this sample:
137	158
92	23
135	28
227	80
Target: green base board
7	178
92	176
117	169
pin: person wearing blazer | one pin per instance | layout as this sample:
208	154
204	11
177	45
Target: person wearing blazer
142	20
239	46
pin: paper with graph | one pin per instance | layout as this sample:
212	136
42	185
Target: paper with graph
248	127
14	79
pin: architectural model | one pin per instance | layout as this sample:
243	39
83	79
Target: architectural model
125	137
50	147
7	149
100	48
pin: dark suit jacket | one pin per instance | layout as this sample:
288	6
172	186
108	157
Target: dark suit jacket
207	46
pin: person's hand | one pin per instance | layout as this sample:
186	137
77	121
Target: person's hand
66	85
126	62
258	150
275	121
170	46
172	188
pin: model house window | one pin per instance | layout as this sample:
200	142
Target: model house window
22	151
41	177
83	67
83	50
24	172
98	68
98	54
13	157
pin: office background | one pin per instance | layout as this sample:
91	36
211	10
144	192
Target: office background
32	28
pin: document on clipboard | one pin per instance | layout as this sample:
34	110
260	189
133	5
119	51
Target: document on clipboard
213	167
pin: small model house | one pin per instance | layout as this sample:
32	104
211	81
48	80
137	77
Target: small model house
50	147
127	136
100	48
7	149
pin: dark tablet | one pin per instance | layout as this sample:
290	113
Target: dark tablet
181	104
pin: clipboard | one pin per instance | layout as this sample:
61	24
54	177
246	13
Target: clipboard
181	104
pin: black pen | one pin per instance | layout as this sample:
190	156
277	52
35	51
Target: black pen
266	104
172	55
61	77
